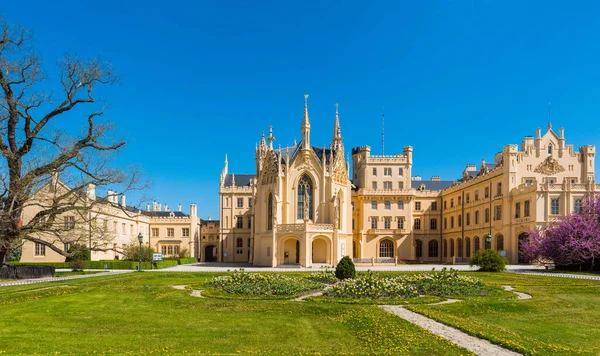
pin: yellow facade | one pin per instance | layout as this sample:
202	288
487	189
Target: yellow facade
386	214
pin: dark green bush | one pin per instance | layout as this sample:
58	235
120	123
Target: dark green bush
77	252
132	253
165	263
345	269
488	261
186	260
78	265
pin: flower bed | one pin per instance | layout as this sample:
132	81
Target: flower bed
326	276
371	286
242	283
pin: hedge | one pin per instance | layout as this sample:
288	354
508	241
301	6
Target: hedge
113	264
186	260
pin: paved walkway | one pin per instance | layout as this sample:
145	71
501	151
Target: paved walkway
562	275
21	282
217	267
471	343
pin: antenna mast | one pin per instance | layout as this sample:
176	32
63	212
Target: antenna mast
382	134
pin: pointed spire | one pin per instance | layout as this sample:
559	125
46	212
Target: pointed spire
225	158
337	132
549	122
305	125
263	142
271	138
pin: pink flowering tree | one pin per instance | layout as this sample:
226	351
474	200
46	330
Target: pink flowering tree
568	241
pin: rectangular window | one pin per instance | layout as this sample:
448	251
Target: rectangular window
249	243
468	217
417	205
467	198
400	171
170	250
400	185
375	171
434	206
486	192
400	205
433	224
476	217
240	222
554	206
185	232
387	205
387	185
445	223
459	220
452	222
40	250
69	222
170	232
387	171
373	223
498	213
164	250
115	226
249	222
352	224
528	181
373	205
131	229
239	243
123	228
374	185
486	215
249	202
451	203
445	207
417	224
499	189
154	232
526	208
517	210
401	223
476	195
459	201
387	223
240	202
577	205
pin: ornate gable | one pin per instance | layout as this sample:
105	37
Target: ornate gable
340	171
270	169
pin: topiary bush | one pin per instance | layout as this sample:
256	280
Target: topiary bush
345	269
488	261
78	252
77	265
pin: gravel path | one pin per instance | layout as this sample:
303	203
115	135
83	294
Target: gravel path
315	294
471	343
561	275
21	282
519	294
195	293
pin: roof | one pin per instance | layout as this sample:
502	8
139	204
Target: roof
431	184
206	222
165	214
319	153
241	180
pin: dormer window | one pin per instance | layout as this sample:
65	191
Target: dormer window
550	148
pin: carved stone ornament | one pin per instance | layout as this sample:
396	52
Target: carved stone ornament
549	166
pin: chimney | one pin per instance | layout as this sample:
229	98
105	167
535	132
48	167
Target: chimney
109	195
538	133
123	200
159	205
209	218
147	207
193	211
561	133
91	191
166	207
179	207
417	178
435	178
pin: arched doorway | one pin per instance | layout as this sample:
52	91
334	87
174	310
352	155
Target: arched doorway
210	253
522	238
291	251
319	251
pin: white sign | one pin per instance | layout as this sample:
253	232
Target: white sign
157	257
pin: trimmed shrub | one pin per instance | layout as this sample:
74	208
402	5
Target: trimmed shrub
345	269
165	263
77	265
132	253
186	260
488	261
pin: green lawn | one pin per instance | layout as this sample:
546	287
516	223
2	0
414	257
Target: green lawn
141	314
561	318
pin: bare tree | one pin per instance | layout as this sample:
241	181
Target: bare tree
37	144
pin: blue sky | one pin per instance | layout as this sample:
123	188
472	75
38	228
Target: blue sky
457	79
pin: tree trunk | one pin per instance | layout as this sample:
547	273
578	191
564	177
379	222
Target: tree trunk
592	266
4	252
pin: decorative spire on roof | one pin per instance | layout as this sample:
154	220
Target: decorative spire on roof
549	122
271	138
263	142
305	125
337	132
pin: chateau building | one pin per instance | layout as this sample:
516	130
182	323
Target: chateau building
301	207
107	225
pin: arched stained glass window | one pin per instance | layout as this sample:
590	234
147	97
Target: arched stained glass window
305	197
270	212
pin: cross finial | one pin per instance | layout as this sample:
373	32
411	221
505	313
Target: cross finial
305	100
337	106
549	122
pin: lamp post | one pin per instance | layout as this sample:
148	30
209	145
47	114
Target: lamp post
488	240
140	239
